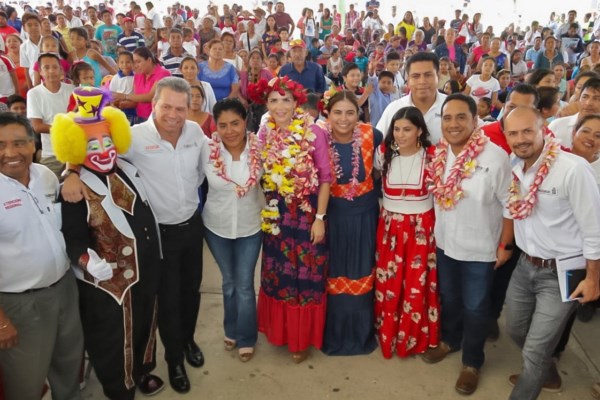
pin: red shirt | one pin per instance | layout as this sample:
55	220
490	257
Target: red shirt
495	132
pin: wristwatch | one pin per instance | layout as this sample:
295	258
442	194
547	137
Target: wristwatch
322	217
68	172
507	247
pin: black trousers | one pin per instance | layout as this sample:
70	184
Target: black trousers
179	287
106	328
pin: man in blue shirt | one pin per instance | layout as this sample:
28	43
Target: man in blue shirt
308	73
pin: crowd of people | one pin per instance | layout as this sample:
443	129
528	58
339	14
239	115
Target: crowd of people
405	180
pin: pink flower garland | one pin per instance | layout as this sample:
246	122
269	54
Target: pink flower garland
522	208
335	159
448	194
253	163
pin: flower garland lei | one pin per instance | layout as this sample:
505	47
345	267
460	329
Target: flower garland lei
522	208
335	159
288	166
253	163
448	194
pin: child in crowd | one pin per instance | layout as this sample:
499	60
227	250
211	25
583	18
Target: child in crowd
17	104
284	35
560	74
334	67
50	44
393	64
273	64
452	86
381	93
190	45
276	47
484	107
311	106
353	82
163	42
484	84
8	78
444	74
122	82
362	61
504	79
378	57
315	49
82	75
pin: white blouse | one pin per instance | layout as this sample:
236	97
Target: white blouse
224	213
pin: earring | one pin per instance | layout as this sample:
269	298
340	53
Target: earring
395	147
418	144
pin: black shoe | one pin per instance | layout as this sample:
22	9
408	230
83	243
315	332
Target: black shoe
493	331
150	385
178	378
585	312
194	355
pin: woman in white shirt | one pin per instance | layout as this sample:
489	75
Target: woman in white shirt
232	220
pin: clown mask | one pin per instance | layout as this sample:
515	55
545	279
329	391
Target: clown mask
101	153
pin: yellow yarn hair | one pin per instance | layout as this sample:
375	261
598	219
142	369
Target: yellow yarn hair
69	141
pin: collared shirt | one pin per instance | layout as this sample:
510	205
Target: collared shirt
563	129
311	76
32	248
75	22
224	213
171	175
433	116
471	230
566	217
172	62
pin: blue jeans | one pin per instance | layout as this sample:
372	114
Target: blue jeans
237	260
535	317
465	288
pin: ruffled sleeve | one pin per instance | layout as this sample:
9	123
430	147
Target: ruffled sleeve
321	155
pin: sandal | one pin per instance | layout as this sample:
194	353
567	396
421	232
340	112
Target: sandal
245	354
299	356
229	344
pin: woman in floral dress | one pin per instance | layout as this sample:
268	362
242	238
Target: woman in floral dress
296	182
353	211
406	295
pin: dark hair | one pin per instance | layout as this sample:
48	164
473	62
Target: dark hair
414	115
201	89
585	119
175	31
548	96
10	118
47	55
13	99
423	56
585	74
454	85
341	96
186	59
592	83
487	101
387	74
77	68
145	53
349	67
229	104
526	89
80	31
125	53
29	15
312	100
537	75
468	100
392	56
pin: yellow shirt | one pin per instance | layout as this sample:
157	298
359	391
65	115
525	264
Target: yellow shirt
65	34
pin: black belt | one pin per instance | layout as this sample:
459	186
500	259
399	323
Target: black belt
166	227
540	262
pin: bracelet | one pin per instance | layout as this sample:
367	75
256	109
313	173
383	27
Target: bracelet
4	326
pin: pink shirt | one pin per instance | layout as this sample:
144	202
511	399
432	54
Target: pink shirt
451	53
143	85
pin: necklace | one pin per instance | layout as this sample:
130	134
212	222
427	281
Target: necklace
219	164
448	194
404	182
521	208
335	159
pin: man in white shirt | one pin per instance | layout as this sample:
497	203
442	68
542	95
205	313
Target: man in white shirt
72	21
563	220
44	102
166	151
93	17
473	231
30	49
152	14
422	80
589	103
40	328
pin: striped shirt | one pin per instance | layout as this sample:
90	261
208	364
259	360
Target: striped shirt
131	41
172	62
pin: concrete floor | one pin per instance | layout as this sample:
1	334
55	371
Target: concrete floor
272	375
